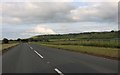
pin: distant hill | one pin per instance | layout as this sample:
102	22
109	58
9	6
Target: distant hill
78	36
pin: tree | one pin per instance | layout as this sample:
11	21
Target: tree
24	40
118	30
11	40
5	41
112	31
18	39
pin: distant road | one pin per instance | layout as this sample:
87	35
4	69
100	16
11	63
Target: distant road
30	58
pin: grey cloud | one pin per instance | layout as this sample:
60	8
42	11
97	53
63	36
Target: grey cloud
102	12
45	12
37	12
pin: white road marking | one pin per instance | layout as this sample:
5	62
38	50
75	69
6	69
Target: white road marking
48	62
58	71
107	59
38	54
31	47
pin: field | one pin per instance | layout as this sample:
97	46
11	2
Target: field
97	39
96	43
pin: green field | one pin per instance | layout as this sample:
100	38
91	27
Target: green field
97	39
95	43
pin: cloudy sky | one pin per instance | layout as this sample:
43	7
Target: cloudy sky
26	19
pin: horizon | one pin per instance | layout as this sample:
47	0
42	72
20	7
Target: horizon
59	34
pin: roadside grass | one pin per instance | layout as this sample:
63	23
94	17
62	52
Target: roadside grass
4	47
98	51
0	48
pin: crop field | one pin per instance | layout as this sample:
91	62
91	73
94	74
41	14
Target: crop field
96	43
97	39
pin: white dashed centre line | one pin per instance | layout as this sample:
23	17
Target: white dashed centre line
31	47
58	71
38	54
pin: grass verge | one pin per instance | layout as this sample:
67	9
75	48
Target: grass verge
5	47
111	53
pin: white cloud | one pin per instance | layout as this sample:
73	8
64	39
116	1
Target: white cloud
41	30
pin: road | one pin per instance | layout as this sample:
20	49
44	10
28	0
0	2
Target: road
31	58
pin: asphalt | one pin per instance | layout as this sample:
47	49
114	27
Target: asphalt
31	58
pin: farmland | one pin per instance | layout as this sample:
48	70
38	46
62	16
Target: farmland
97	39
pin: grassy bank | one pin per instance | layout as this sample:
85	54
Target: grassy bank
98	51
0	48
5	47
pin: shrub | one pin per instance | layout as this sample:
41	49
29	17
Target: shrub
5	41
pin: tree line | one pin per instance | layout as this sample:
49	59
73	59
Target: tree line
6	41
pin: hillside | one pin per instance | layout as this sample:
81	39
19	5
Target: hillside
78	36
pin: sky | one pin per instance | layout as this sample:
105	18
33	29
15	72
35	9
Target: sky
24	19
